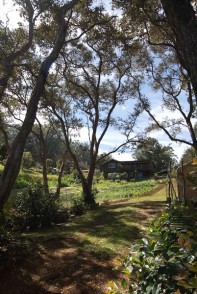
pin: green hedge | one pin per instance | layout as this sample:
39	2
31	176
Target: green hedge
165	261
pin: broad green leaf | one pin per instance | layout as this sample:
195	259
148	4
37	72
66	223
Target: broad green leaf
193	267
193	282
124	284
184	285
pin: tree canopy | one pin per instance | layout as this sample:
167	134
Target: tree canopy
161	155
78	61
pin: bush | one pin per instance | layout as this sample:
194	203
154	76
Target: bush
78	207
27	160
33	209
24	179
166	260
20	183
12	248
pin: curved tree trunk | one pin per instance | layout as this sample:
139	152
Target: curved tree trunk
181	17
13	163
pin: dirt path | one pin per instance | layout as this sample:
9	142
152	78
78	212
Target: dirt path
65	265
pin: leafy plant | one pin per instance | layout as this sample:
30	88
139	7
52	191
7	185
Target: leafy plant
166	260
78	207
33	208
12	248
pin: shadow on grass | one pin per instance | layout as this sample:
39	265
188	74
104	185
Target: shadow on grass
79	260
59	266
118	224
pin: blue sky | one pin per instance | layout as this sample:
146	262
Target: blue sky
114	138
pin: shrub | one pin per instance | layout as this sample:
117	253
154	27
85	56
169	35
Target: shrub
12	248
27	160
166	260
34	209
24	179
78	207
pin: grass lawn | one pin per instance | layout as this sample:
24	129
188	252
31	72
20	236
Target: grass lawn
77	257
109	230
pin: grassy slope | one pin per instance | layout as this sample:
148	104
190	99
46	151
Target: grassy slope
78	257
109	230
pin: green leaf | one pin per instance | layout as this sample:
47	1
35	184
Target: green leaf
193	267
184	285
124	284
156	289
193	282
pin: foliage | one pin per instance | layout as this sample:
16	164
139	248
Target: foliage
77	207
188	155
12	248
26	177
157	153
33	209
108	191
165	261
120	190
27	160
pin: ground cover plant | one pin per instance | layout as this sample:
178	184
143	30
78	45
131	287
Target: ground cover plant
109	190
106	191
165	261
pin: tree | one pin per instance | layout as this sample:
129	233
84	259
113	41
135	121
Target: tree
157	153
41	133
176	21
16	43
188	155
170	68
95	83
60	16
181	16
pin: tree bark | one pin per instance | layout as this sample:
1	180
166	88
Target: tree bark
13	163
44	165
181	17
88	195
60	173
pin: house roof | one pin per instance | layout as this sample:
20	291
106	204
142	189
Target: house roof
127	161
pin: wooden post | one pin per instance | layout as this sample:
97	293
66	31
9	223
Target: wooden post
183	182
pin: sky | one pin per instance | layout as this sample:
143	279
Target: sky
113	138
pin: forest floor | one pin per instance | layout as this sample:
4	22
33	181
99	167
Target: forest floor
78	258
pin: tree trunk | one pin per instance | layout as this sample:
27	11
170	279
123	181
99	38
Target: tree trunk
43	158
88	195
60	173
44	172
181	17
13	163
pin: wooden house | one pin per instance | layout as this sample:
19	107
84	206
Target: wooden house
138	169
